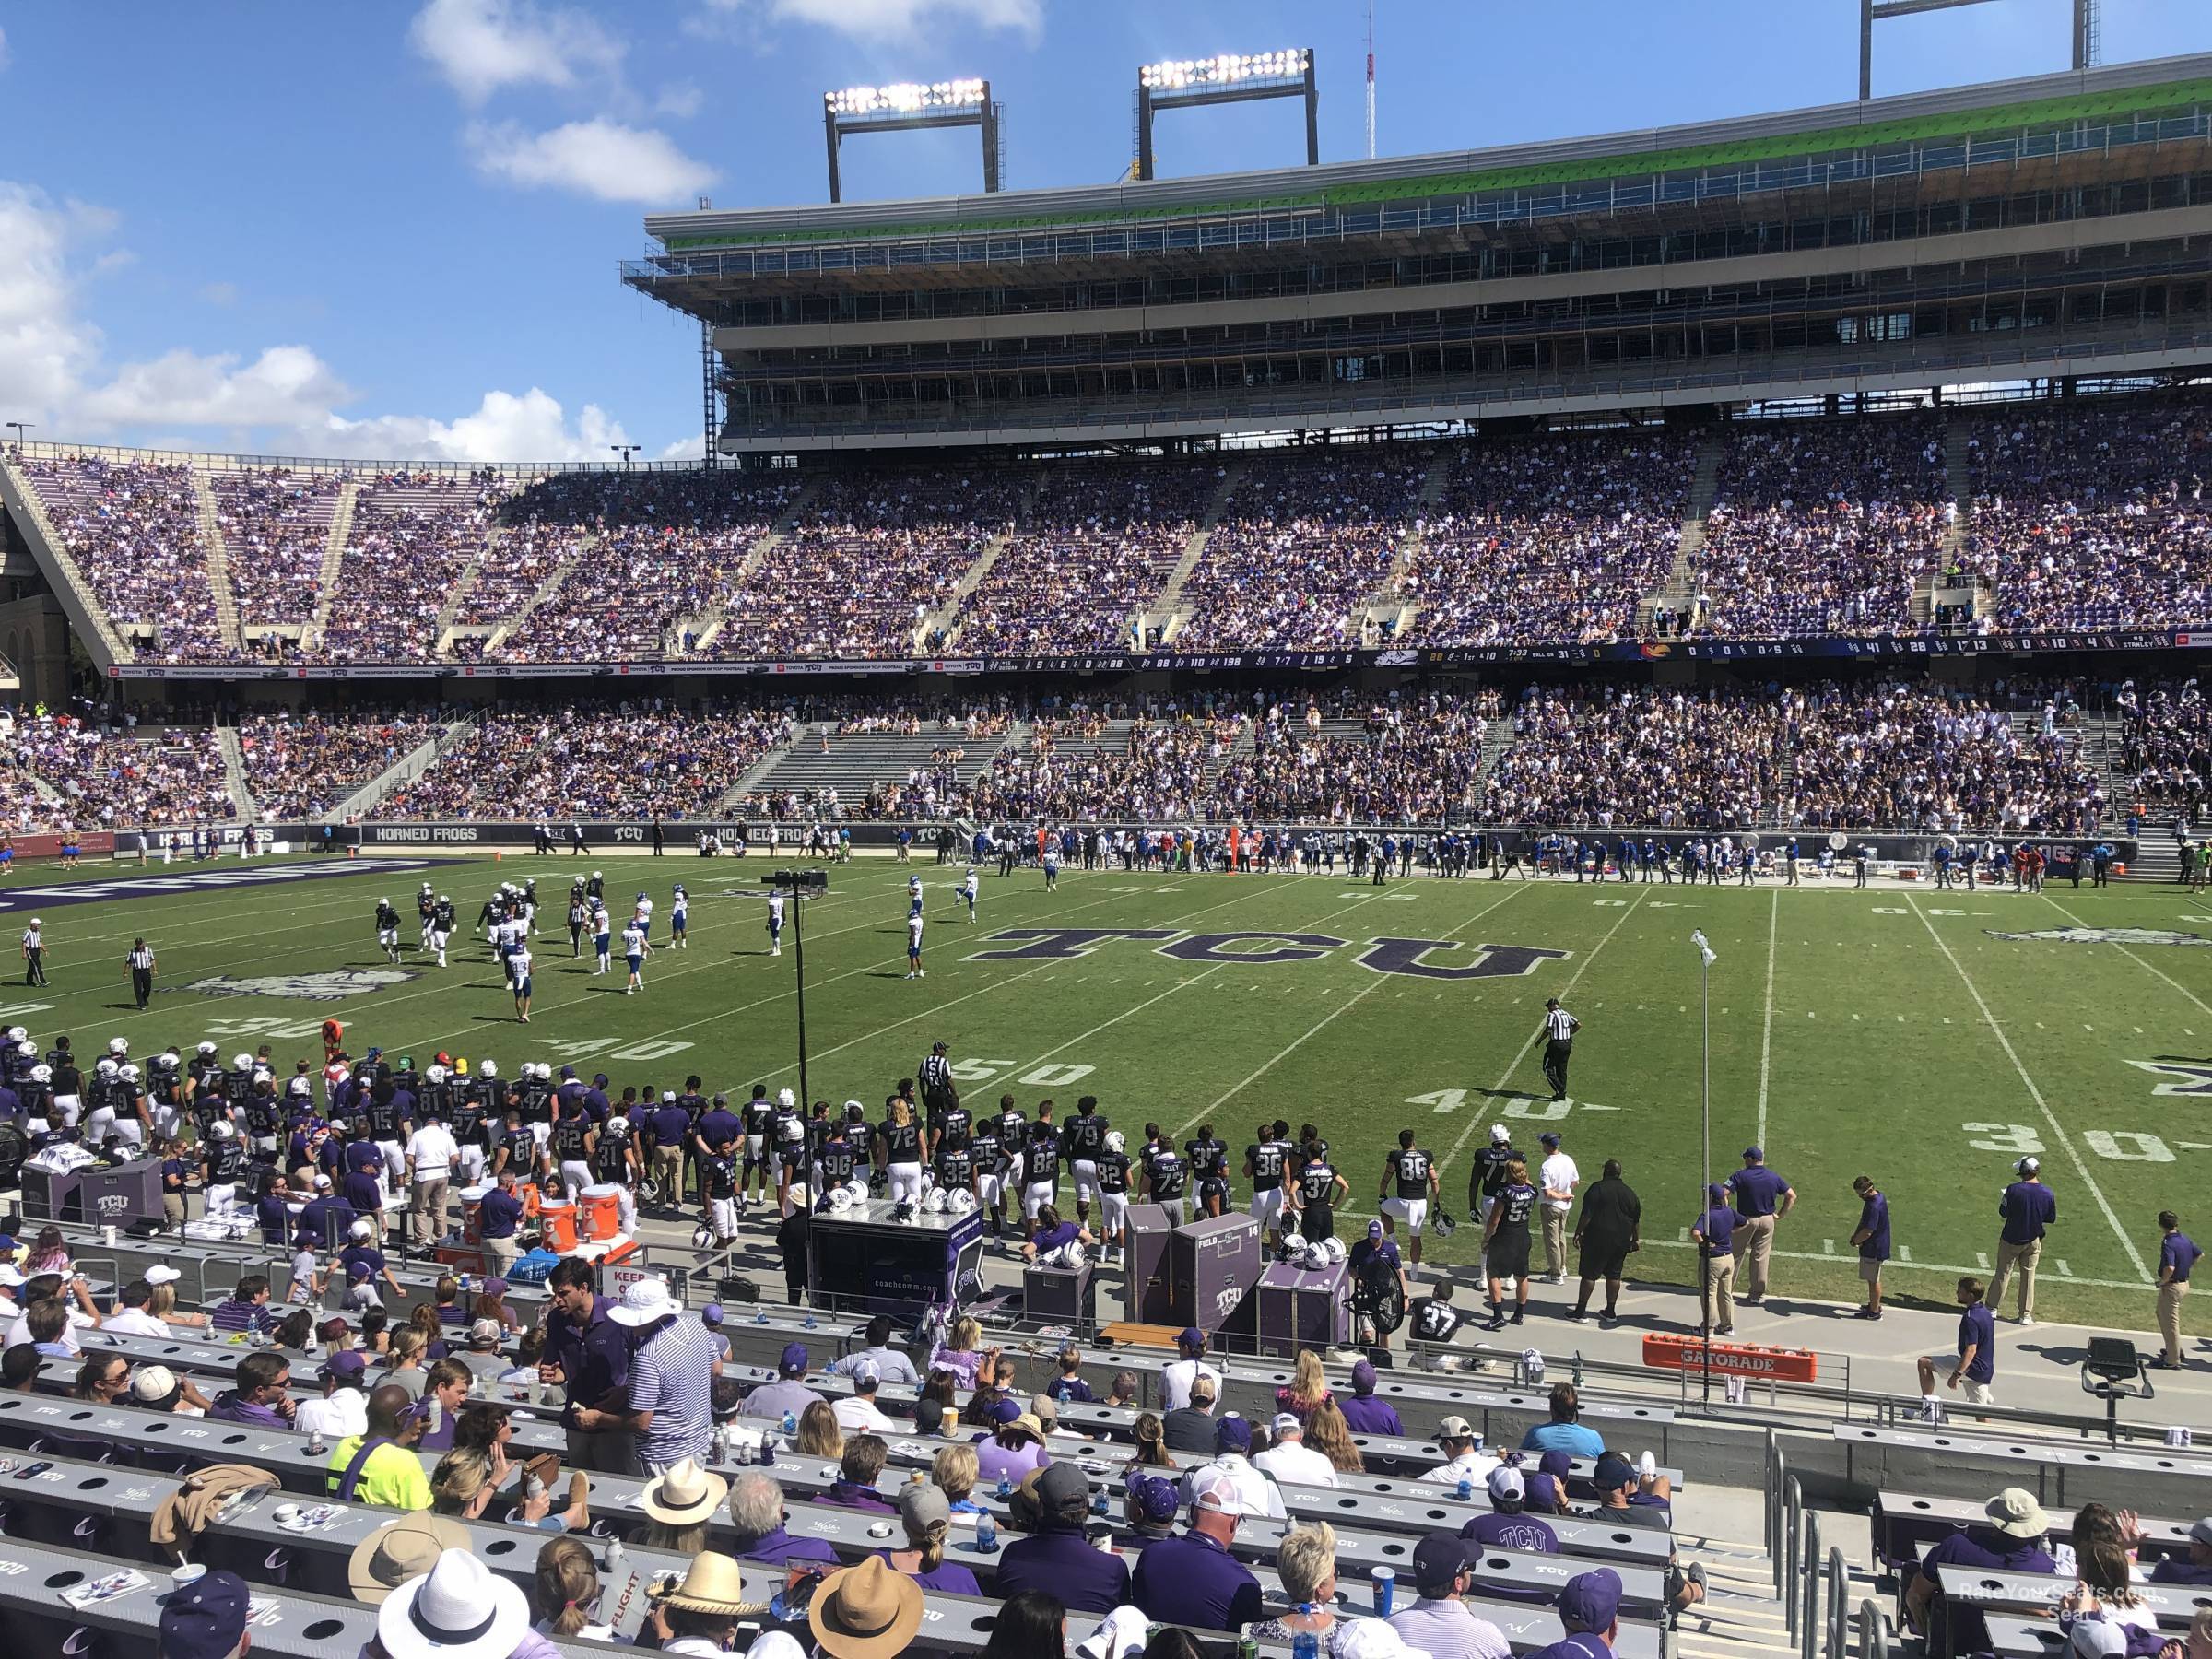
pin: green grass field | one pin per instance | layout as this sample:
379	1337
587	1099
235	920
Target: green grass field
1883	1031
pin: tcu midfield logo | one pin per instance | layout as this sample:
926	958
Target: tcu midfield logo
330	985
1407	956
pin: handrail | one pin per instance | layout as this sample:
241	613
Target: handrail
1793	1524
1808	1610
1839	1607
1873	1632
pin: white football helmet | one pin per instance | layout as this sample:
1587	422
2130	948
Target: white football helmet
116	1046
935	1202
794	1130
1331	1249
489	1068
841	1200
297	1086
1113	1140
858	1187
436	1073
27	1051
17	1033
106	1068
242	1063
207	1049
785	1098
41	1073
222	1129
959	1202
128	1073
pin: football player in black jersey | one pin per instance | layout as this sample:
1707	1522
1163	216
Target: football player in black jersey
1487	1176
1267	1165
1083	1137
1168	1180
1505	1244
988	1158
1316	1192
758	1167
1041	1155
1112	1174
1208	1156
1409	1186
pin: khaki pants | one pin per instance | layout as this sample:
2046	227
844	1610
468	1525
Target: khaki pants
499	1254
668	1170
1555	1241
426	1217
1716	1300
2025	1258
1754	1248
2170	1319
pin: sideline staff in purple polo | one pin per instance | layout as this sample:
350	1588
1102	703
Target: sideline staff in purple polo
588	1353
1590	1608
2027	1209
1363	1413
1193	1579
1762	1198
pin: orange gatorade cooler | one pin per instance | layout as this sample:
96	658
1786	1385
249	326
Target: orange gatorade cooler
558	1218
599	1213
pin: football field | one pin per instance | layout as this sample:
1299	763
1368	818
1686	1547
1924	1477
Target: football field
1894	1032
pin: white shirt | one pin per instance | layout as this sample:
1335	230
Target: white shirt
1256	1495
518	967
1175	1380
343	1413
1474	1465
1559	1175
913	932
856	1416
1296	1463
633	940
134	1321
432	1151
19	1333
775	910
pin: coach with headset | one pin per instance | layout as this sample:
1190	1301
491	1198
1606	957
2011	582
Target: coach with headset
2028	1208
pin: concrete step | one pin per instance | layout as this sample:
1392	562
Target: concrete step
86	615
234	772
333	556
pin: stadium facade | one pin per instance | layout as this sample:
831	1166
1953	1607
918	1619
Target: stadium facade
2048	227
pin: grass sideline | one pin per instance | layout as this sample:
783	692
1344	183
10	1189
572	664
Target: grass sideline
1879	1030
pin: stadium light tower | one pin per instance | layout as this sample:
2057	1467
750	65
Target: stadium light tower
1875	11
1232	77
906	105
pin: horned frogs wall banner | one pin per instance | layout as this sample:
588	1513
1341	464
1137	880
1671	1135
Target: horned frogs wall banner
2106	935
334	985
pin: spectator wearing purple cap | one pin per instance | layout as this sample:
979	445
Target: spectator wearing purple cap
206	1619
1256	1494
1590	1608
1177	1375
1547	1484
718	1341
1364	1412
1057	1558
343	1407
1762	1198
1149	1504
787	1396
1439	1623
1507	1525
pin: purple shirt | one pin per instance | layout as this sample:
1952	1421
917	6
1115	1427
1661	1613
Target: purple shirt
1370	1414
851	1494
1978	1326
1017	1461
2179	1251
2028	1208
1758	1191
364	1192
1063	1564
228	1407
499	1213
593	1356
773	1399
1987	1548
1512	1532
1874	1221
948	1576
1190	1580
774	1548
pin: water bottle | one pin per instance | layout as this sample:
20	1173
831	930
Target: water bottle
722	1444
1006	1489
791	1422
1466	1488
1098	1501
1304	1644
810	1321
464	1284
760	1318
613	1557
986	1534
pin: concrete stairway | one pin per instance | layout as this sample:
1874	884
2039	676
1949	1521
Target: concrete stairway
1387	603
333	556
733	796
234	767
946	616
539	594
442	631
1679	591
1163	610
218	566
86	615
1933	589
706	625
405	770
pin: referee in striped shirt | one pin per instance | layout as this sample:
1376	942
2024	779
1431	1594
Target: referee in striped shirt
141	960
939	1095
1560	1028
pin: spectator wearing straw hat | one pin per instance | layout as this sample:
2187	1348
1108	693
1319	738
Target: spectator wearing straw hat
2011	1538
865	1612
459	1609
206	1619
405	1549
699	1612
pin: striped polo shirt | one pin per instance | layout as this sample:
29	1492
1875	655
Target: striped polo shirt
671	1376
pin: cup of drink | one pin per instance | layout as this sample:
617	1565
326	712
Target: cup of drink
1386	1582
951	1424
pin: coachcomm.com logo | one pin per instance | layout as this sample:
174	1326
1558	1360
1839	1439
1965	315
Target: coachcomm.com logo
331	985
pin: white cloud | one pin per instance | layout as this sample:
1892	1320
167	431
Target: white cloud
679	101
482	45
693	447
503	428
285	399
895	19
600	158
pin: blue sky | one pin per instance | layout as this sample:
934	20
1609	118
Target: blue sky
390	230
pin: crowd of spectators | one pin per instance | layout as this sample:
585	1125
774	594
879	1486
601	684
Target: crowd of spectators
1156	771
2165	742
632	760
1303	539
301	766
1096	545
1927	757
871	557
2091	515
1822	528
132	529
1673	759
413	539
120	776
1419	761
1555	537
275	529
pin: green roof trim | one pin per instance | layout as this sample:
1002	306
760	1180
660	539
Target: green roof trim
2045	111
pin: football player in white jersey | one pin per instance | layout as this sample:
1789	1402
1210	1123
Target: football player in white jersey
968	892
679	920
635	949
775	924
914	945
518	976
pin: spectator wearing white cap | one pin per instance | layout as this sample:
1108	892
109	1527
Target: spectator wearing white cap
1192	1579
2027	1208
1289	1460
483	1355
857	1412
1464	1448
343	1409
1507	1526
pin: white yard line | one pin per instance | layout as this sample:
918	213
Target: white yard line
1766	1033
2058	1131
1318	1026
2202	1007
1505	1076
